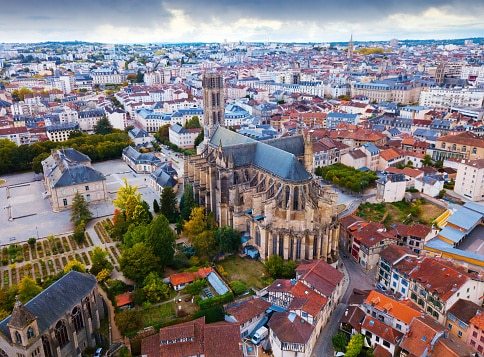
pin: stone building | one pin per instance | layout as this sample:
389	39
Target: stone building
66	172
60	321
265	190
213	101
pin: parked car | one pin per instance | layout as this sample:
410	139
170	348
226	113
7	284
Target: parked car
381	287
99	352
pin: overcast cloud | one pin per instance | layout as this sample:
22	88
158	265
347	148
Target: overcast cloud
128	21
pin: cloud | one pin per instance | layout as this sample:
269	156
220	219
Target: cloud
249	20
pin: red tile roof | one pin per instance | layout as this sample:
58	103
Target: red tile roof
247	310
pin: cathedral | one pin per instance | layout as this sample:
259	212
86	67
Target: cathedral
266	190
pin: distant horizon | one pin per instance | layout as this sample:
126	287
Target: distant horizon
481	38
203	21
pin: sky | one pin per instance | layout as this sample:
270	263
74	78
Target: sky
174	21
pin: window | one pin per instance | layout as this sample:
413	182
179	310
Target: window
77	318
46	346
3	353
60	331
87	188
459	334
64	201
30	333
18	338
386	344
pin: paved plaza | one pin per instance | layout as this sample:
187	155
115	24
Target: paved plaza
25	213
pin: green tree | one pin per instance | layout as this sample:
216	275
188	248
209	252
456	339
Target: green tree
27	289
238	287
199	139
161	238
138	261
103	126
274	266
37	162
168	204
427	160
193	123
227	239
128	321
355	346
139	76
187	202
340	340
100	261
289	269
79	230
154	288
134	234
164	132
74	265
79	210
156	206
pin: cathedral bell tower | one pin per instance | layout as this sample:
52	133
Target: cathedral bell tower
22	324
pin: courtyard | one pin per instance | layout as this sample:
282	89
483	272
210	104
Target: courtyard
26	211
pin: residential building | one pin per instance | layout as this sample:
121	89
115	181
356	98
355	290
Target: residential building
463	145
372	156
141	162
247	313
422	337
459	319
355	158
140	137
164	176
348	225
334	119
183	138
391	158
390	272
391	188
60	321
67	172
475	332
469	181
61	132
194	338
18	135
414	236
430	185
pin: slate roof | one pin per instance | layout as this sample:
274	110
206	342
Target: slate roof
74	155
140	158
268	157
165	176
52	304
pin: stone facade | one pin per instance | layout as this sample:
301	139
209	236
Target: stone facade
60	321
265	189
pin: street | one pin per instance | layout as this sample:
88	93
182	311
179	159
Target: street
356	278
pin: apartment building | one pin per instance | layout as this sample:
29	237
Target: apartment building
469	181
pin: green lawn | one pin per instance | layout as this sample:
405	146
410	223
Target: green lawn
158	314
246	270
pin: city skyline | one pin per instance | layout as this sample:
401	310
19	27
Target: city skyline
173	21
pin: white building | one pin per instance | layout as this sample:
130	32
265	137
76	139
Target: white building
469	181
444	98
391	188
183	138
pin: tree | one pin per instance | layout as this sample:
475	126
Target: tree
154	288
103	126
100	261
79	210
193	123
37	162
227	239
79	231
339	342
187	202
427	160
355	345
128	321
164	132
31	242
139	76
199	139
274	266
161	238
27	289
156	206
124	193
138	261
74	265
168	204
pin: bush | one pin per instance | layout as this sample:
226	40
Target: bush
238	287
340	340
216	300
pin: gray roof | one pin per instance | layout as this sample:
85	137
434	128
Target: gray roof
52	304
138	133
465	218
78	174
74	155
247	151
165	176
139	158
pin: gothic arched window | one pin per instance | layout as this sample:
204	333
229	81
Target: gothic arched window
61	333
77	318
46	346
3	353
30	333
18	338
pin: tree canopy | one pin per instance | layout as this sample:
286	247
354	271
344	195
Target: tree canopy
346	176
138	261
193	123
168	204
227	239
103	126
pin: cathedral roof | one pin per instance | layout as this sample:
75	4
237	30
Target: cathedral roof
276	156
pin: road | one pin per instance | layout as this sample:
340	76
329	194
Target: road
356	278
